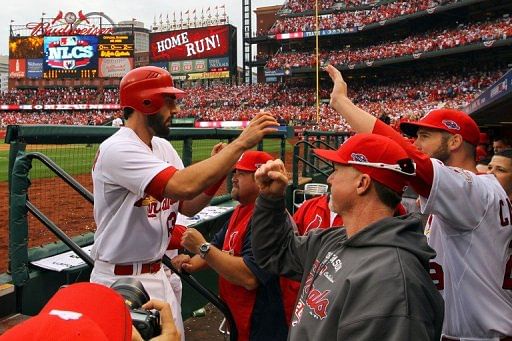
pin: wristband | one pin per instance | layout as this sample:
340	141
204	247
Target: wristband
210	191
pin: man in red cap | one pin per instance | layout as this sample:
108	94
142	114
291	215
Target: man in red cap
368	280
470	223
251	293
89	311
140	183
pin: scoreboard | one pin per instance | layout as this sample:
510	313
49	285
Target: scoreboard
77	56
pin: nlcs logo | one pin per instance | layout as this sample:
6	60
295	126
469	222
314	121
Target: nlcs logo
69	53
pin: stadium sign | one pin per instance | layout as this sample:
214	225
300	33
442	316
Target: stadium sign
189	44
70	24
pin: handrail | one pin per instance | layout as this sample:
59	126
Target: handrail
194	283
297	158
206	293
61	173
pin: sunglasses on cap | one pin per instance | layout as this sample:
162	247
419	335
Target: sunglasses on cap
403	166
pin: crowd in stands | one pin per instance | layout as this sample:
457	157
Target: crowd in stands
59	96
63	117
299	6
464	34
406	99
290	103
352	19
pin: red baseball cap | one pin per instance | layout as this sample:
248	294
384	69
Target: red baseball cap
252	160
449	120
81	311
384	160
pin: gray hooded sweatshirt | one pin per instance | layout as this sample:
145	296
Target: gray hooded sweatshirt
372	286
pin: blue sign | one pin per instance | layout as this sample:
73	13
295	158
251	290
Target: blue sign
274	73
162	65
35	68
499	89
70	57
218	64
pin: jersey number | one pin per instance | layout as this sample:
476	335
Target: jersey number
437	275
170	223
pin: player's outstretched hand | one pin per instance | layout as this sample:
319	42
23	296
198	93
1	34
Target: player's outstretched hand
192	240
262	124
218	147
271	178
339	90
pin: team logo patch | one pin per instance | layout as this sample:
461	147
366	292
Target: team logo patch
358	157
451	124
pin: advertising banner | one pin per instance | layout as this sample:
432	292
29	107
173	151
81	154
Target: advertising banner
70	57
17	68
35	68
114	67
208	75
218	64
188	66
163	65
189	44
115	46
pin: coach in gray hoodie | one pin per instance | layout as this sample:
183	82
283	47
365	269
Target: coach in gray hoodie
367	281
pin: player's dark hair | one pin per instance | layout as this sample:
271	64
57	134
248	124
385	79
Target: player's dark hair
505	153
388	197
127	112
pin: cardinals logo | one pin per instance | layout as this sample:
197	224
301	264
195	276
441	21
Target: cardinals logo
232	242
314	224
146	201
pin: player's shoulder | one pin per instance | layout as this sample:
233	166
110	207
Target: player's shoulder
124	138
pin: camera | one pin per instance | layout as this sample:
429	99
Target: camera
135	295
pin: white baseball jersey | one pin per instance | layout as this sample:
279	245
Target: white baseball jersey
471	230
131	225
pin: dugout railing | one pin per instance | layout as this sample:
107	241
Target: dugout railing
35	286
306	166
21	203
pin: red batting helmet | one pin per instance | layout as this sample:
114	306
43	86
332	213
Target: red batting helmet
143	88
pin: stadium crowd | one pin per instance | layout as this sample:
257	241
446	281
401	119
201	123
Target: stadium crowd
291	103
59	96
464	34
63	117
352	19
406	99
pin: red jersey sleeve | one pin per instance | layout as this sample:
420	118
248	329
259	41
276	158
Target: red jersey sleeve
157	186
422	182
176	234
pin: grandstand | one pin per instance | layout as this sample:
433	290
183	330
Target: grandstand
400	58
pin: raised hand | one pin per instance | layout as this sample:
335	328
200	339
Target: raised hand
217	148
340	87
262	124
271	178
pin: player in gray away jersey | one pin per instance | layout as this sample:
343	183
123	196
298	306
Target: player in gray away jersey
470	223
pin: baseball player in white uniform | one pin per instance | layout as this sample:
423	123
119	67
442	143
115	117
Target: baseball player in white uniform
140	184
470	226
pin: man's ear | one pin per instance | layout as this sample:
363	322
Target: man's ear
455	142
364	185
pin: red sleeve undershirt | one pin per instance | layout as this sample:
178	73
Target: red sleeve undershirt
176	234
422	182
157	185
